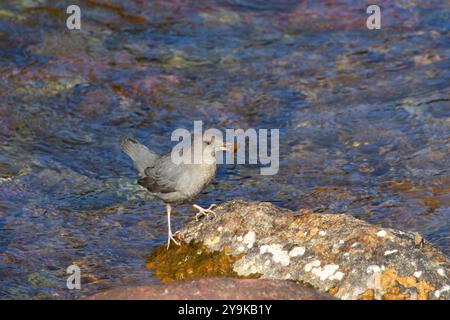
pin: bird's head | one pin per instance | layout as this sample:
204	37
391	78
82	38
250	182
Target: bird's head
211	145
208	146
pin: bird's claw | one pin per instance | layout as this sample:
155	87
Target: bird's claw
204	212
172	238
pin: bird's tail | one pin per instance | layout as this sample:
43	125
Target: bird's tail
140	154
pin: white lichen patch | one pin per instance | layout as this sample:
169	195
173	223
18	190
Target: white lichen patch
241	248
441	272
249	239
438	293
417	274
240	238
388	252
338	245
278	254
381	233
297	251
253	269
245	267
308	267
337	276
322	233
373	268
209	242
326	272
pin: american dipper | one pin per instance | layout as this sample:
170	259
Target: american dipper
176	183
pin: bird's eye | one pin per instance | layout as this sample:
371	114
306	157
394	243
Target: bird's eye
210	141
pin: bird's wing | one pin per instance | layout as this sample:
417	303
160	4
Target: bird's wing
163	176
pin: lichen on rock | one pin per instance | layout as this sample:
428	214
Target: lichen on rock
335	253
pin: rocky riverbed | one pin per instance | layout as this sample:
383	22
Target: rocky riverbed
335	253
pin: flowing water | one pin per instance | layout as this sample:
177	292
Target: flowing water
364	119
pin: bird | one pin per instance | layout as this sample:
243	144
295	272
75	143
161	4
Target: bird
173	182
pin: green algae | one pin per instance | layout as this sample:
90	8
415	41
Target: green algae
187	262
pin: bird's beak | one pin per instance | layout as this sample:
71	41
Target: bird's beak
231	147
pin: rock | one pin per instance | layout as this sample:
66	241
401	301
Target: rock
215	289
335	253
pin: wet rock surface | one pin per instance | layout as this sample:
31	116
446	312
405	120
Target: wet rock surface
216	289
335	253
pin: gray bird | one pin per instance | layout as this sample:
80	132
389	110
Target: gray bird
176	183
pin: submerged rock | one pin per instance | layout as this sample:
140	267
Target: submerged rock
335	253
216	289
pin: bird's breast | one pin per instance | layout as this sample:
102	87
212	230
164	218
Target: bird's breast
196	178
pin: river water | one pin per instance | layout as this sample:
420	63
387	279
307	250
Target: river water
364	119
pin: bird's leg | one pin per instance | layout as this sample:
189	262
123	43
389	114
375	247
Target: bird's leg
204	212
170	235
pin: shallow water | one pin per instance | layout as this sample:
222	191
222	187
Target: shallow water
363	118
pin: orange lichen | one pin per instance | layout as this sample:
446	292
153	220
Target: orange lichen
395	294
371	239
333	291
390	279
369	294
313	232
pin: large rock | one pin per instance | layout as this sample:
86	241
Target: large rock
215	289
336	253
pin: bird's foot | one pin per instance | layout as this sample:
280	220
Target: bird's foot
170	238
204	212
